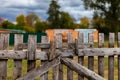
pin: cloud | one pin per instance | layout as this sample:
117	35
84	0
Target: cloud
12	8
9	3
75	9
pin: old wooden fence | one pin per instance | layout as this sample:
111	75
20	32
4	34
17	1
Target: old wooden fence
58	53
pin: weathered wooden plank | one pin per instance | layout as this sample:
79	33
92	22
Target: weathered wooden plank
43	45
57	45
41	55
31	52
52	53
69	71
91	64
101	40
80	45
45	75
39	45
101	58
40	70
17	72
66	53
119	57
111	58
99	52
58	41
91	58
80	38
85	45
11	54
81	62
81	69
61	76
70	38
4	43
44	40
56	73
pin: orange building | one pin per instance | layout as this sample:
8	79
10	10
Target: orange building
52	32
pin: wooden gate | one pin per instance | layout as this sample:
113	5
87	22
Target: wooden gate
54	55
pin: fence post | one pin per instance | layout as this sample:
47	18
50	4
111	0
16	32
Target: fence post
18	63
4	43
111	58
31	52
119	57
91	58
80	58
101	58
69	71
44	39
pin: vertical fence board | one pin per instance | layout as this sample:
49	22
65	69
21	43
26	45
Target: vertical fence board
69	71
80	58
61	65
44	39
18	63
45	75
4	43
61	72
101	58
31	52
111	58
119	57
91	58
58	45
56	73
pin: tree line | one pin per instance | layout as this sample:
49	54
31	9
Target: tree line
106	14
106	18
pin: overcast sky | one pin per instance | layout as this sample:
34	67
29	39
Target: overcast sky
9	9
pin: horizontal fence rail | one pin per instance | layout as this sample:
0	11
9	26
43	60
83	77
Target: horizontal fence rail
60	59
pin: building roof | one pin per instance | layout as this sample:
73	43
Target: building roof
11	31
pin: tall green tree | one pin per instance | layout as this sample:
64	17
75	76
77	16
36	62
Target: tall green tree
31	19
109	10
8	25
66	21
84	23
20	22
41	26
54	14
99	23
